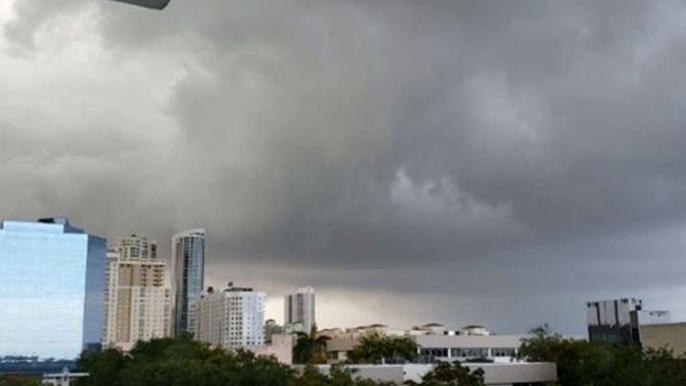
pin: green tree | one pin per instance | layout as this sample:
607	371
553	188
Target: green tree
310	348
451	374
184	362
376	349
181	362
582	363
311	377
578	362
338	376
18	381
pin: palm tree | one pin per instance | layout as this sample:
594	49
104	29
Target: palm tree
310	348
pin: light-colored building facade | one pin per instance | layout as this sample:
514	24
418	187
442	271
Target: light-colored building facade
671	336
52	280
137	298
299	309
648	317
495	374
434	341
496	348
232	318
280	347
188	276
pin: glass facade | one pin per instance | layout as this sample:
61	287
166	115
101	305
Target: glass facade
188	260
52	281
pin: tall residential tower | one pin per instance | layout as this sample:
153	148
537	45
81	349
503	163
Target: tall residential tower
300	310
188	270
137	299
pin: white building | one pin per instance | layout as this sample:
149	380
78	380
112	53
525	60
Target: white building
496	348
137	298
434	341
650	317
232	318
495	374
300	310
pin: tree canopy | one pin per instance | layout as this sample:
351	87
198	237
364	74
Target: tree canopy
583	363
183	362
451	374
310	348
9	380
376	349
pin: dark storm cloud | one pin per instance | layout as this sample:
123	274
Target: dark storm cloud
469	152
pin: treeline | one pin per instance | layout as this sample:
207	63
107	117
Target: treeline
183	362
12	380
583	363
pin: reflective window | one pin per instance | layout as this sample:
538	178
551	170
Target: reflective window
51	290
188	269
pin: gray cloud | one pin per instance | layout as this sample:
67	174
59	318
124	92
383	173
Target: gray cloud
507	160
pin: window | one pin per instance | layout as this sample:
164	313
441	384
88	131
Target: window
434	352
469	352
503	352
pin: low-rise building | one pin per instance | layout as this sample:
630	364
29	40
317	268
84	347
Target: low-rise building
435	342
495	348
280	348
619	321
495	374
610	320
671	336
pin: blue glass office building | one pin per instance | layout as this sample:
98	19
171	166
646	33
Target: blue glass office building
52	282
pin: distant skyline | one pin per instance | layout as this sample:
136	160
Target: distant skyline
463	162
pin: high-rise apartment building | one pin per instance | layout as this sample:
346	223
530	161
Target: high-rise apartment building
232	318
300	310
188	270
137	298
52	280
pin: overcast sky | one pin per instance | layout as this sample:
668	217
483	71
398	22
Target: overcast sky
493	162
